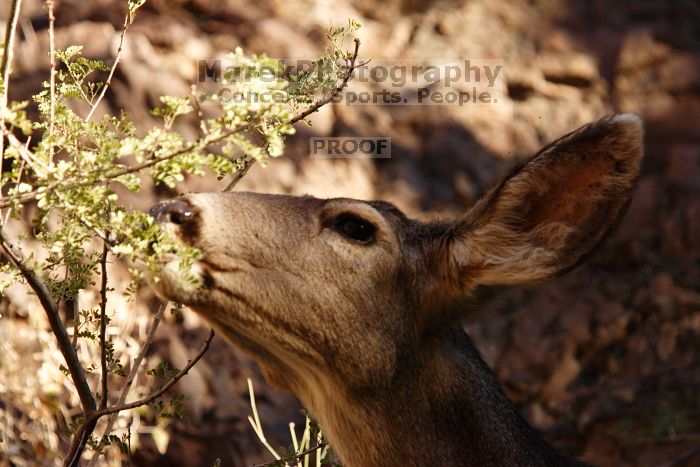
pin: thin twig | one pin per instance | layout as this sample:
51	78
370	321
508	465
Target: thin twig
117	58
296	457
255	422
19	179
135	366
103	323
8	50
352	66
5	68
238	175
198	108
27	155
52	76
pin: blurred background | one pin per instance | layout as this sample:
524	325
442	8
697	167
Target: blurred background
605	361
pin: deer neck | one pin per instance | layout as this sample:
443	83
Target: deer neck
445	409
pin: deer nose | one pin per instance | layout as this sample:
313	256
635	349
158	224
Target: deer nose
175	212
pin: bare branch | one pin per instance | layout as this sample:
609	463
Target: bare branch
5	66
8	50
117	58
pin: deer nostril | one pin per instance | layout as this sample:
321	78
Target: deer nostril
179	217
175	212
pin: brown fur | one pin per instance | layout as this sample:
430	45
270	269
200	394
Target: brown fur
366	334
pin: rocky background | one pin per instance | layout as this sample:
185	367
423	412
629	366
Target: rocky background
605	361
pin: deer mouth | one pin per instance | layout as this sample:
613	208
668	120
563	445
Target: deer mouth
178	280
187	283
174	284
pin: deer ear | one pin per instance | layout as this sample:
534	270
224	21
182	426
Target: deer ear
548	215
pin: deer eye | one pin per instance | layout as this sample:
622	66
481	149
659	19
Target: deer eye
355	228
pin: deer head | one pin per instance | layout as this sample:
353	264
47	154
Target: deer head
355	308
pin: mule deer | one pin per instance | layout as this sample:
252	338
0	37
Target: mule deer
355	308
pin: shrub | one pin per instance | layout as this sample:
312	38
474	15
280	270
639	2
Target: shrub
60	171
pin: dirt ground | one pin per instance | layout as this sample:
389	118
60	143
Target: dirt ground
604	361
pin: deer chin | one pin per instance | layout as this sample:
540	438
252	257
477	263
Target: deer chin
172	286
